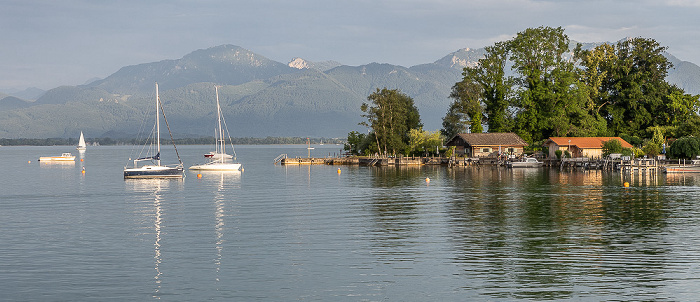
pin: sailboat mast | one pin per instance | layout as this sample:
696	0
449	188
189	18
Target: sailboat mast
157	125
221	131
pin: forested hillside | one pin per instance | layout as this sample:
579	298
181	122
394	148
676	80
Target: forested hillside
260	97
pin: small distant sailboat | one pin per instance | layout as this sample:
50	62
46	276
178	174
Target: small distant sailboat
219	160
155	169
81	143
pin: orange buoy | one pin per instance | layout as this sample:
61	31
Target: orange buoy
427	179
626	185
81	159
29	161
199	175
83	170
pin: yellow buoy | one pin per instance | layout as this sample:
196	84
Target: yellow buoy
427	179
338	170
29	161
626	185
199	175
242	169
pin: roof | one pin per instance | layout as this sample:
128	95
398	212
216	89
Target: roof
585	142
490	139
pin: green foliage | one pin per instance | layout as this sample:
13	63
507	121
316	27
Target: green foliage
610	90
558	153
685	147
355	140
650	149
627	152
632	140
639	152
390	116
466	110
611	146
450	151
421	141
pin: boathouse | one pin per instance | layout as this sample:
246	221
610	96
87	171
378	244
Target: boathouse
591	147
487	144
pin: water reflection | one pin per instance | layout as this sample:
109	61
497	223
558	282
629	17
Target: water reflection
150	193
681	179
394	207
539	234
221	183
57	164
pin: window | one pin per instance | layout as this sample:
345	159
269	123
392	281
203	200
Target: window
486	150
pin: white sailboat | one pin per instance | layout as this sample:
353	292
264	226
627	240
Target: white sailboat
155	169
81	143
219	160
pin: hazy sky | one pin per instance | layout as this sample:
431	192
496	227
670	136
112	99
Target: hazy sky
50	43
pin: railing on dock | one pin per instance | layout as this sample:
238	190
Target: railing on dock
280	157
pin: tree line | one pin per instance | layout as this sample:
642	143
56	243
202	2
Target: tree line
539	86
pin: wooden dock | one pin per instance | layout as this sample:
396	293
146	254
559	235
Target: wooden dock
623	165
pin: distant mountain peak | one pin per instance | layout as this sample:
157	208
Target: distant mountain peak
465	57
230	54
300	63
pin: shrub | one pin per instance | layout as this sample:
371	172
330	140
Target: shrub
611	146
685	147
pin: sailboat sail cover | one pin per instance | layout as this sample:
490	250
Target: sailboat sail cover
156	157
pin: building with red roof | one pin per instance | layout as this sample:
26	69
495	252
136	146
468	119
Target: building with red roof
591	147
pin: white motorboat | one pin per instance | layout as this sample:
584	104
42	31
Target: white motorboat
67	156
527	162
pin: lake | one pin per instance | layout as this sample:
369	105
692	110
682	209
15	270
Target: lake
283	233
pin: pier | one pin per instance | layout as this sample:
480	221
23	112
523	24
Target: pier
623	165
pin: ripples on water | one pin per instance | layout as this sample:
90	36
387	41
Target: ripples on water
365	234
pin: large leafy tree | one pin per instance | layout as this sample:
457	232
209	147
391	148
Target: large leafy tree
465	111
390	115
545	78
611	90
634	89
481	96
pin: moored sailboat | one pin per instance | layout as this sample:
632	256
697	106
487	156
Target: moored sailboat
219	160
155	169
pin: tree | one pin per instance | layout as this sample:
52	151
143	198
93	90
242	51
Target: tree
537	55
481	96
551	98
390	116
421	141
611	146
355	141
685	147
495	86
634	87
465	111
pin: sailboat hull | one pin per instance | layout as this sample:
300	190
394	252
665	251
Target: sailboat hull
217	166
150	171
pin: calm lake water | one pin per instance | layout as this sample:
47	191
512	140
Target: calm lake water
286	233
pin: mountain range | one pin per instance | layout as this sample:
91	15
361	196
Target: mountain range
259	97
